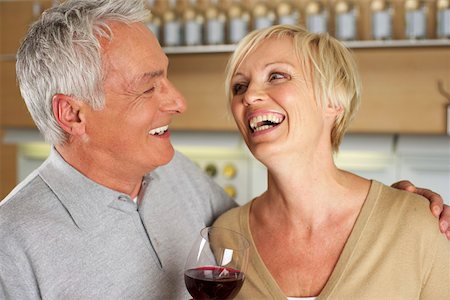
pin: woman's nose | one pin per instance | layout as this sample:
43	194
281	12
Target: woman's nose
253	94
173	101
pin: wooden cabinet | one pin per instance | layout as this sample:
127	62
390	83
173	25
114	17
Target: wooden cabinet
15	17
400	90
8	172
200	78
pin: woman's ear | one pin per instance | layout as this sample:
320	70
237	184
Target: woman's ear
333	111
67	113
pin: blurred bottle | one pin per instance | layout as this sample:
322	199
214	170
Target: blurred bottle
36	9
172	26
262	15
345	18
192	25
415	19
154	21
238	22
215	19
381	12
443	19
316	17
287	13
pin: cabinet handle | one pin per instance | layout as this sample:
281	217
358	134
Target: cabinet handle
442	91
7	57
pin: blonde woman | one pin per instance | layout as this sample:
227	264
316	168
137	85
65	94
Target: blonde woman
320	232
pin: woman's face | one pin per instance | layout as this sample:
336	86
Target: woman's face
273	103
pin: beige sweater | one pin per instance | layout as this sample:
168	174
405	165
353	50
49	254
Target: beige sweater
395	251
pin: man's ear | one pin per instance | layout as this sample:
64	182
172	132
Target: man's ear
67	113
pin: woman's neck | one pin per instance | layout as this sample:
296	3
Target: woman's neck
308	192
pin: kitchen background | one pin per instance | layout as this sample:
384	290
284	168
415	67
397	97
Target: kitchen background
403	52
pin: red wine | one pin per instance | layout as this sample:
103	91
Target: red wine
211	283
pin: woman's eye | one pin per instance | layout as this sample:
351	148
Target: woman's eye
275	76
239	89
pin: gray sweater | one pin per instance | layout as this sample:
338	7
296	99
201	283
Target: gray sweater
63	236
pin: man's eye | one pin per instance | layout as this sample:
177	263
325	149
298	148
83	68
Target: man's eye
150	90
239	89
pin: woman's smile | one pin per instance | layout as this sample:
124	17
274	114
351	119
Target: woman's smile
260	121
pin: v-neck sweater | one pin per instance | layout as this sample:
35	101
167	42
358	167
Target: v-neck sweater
394	251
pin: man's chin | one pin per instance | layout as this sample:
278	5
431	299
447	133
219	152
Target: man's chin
166	157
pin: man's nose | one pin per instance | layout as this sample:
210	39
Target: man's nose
173	101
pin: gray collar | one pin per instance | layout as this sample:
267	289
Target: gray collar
84	199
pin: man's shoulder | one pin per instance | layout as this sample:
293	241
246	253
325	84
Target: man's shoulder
185	184
25	188
26	201
183	171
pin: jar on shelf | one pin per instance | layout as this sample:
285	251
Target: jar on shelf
153	21
262	15
215	20
238	22
415	19
443	19
345	13
193	21
381	14
287	13
316	17
172	26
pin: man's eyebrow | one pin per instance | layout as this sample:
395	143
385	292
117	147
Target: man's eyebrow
146	77
150	75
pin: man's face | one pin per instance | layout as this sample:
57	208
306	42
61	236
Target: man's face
132	129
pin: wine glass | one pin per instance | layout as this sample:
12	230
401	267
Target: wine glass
216	265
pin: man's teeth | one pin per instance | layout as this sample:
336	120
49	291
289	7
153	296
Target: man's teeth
159	131
264	122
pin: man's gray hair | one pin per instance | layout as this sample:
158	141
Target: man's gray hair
61	55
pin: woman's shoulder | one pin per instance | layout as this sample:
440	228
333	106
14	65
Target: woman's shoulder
233	217
389	196
393	204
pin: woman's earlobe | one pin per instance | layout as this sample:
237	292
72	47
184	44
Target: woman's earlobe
333	110
66	111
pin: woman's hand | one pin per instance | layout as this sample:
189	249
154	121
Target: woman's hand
437	206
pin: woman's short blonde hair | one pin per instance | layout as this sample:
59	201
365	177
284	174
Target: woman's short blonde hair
334	74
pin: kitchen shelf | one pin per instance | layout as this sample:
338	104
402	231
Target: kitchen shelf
351	44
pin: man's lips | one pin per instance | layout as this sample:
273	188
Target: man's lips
159	131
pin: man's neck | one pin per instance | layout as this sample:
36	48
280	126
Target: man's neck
101	172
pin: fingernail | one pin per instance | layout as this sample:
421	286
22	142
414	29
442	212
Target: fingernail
436	211
444	226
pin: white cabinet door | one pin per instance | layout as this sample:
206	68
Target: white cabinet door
425	160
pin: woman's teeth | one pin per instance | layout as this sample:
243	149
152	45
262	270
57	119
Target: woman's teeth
264	122
159	131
